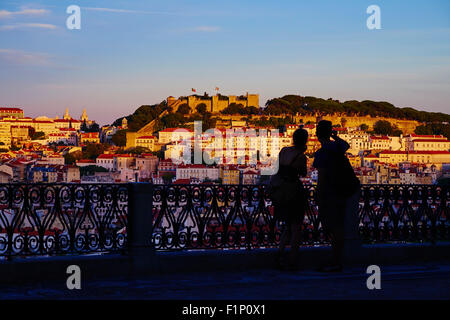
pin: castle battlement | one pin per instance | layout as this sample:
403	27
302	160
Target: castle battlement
215	103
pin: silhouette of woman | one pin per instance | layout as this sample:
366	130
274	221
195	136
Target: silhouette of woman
289	197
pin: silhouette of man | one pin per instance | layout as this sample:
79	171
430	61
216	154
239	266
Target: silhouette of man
337	192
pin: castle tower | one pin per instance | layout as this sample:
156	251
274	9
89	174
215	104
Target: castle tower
84	117
66	115
124	123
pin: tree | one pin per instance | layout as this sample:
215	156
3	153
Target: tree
383	127
201	108
93	150
434	129
120	138
172	120
84	127
234	108
71	158
142	116
167	177
92	128
38	135
364	127
293	104
184	109
90	170
137	150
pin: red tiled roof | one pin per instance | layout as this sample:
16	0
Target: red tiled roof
431	140
105	156
251	172
15	110
413	135
429	152
182	181
176	129
414	152
41	121
392	152
188	166
86	161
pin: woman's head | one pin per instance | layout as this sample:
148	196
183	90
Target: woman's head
300	138
324	130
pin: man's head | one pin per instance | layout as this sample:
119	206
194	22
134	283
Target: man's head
324	130
300	138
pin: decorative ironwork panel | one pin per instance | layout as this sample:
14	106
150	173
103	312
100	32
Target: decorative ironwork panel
52	219
410	213
236	217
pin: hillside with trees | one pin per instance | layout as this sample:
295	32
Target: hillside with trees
293	104
143	115
434	123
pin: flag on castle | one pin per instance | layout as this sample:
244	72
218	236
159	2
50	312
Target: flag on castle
217	88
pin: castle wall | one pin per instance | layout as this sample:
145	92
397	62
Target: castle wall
213	104
131	139
253	100
221	105
407	126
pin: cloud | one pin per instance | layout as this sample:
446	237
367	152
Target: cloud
28	25
22	12
19	57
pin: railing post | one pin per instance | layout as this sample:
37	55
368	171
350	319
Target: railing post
140	225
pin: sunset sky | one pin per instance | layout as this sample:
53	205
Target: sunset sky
130	53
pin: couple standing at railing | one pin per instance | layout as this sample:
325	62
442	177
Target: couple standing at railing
337	195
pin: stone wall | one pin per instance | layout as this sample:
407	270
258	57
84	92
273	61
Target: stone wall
213	104
407	126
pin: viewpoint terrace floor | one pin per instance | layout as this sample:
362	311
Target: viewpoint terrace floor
411	281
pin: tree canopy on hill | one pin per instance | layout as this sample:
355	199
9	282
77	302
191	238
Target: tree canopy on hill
293	104
434	129
288	105
234	108
142	116
386	128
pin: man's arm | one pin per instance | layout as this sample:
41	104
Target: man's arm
341	143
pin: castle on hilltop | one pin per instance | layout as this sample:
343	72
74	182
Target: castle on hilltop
215	103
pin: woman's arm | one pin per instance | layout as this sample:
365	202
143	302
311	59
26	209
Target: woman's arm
301	165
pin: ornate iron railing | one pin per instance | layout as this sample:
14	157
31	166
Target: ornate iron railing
234	217
51	219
